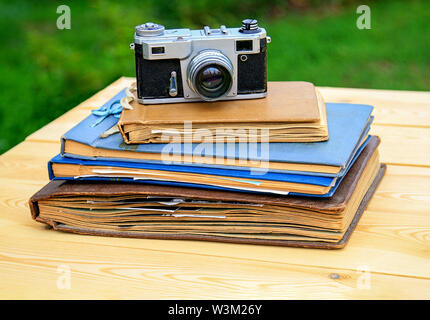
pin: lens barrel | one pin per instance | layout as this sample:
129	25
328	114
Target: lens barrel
210	75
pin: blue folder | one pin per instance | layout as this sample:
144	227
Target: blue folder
348	124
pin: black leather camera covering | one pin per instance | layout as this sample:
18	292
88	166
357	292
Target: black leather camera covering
252	73
153	76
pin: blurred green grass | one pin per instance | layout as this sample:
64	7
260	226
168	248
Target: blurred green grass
45	71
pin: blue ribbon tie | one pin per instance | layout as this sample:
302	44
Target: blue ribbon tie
114	109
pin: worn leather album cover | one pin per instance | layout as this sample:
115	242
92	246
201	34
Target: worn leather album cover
181	213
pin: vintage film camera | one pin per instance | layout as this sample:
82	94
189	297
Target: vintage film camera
183	65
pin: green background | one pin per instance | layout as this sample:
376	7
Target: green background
45	71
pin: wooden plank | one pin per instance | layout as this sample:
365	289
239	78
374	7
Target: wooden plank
392	237
392	107
120	271
28	161
391	241
100	267
403	145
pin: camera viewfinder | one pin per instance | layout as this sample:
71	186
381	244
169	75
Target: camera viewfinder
157	50
244	45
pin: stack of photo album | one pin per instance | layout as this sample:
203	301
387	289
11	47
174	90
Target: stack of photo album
305	185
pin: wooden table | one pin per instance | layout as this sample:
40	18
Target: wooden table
388	255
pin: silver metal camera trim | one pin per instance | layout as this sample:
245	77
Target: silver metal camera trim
149	29
176	100
185	44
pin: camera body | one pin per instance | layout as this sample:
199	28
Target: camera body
183	65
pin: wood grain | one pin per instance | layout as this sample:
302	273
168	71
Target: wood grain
125	272
391	242
392	107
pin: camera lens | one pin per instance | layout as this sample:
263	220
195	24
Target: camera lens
210	75
211	78
213	81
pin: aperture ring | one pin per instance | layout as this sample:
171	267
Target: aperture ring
205	58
